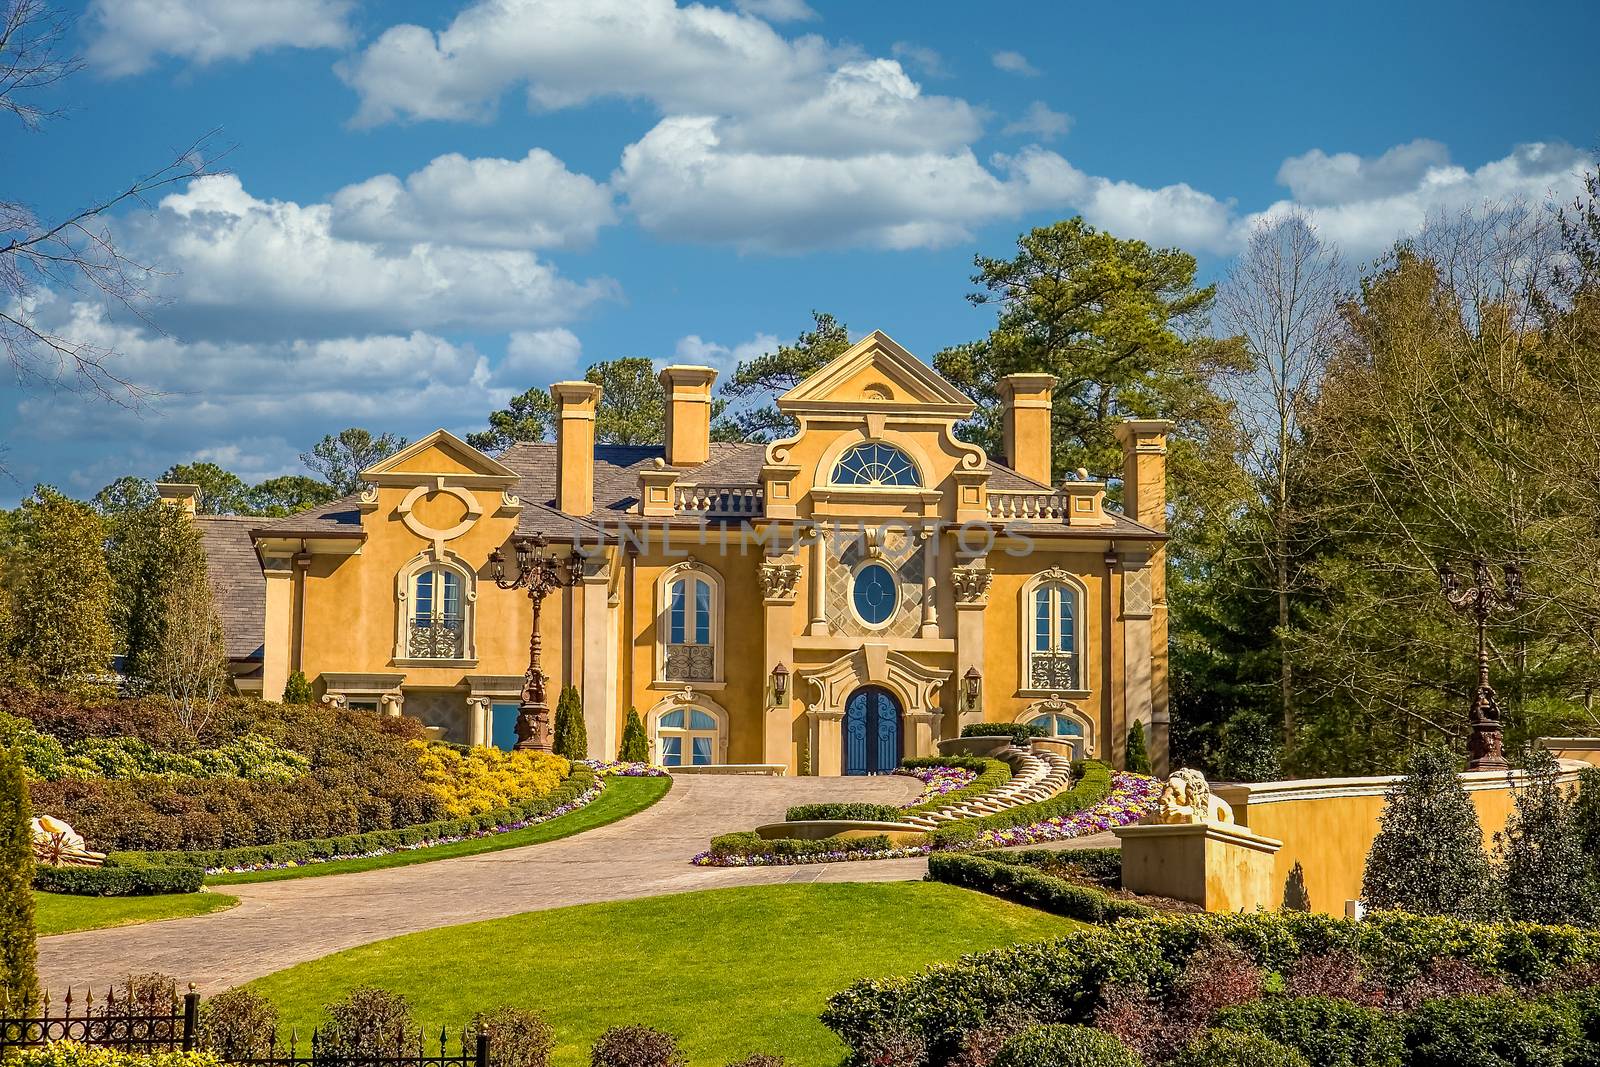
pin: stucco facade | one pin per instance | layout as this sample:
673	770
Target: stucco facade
820	604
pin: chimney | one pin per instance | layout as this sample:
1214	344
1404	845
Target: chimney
688	414
576	404
180	495
1144	470
1026	400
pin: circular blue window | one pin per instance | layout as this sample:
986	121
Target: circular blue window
875	594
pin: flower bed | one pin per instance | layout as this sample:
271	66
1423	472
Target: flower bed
625	769
1132	796
749	849
938	781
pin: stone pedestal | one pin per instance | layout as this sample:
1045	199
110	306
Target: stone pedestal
1219	866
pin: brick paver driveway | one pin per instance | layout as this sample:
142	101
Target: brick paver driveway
277	924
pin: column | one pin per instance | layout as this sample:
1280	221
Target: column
780	578
1137	684
478	721
819	574
930	560
391	704
921	732
278	627
599	662
827	741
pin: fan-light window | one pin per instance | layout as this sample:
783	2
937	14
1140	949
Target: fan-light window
874	463
686	737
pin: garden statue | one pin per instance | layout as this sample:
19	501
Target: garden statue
1187	799
56	844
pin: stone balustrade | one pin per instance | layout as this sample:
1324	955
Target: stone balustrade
720	501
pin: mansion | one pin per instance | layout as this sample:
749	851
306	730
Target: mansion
825	604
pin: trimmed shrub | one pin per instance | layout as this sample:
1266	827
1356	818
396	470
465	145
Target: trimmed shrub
369	1022
1158	1023
748	843
1295	895
1102	865
1026	885
1064	1046
636	1046
119	881
297	690
237	1024
635	745
517	1038
19	954
1327	1031
1093	786
73	1054
991	775
852	812
1497	1031
151	993
571	734
1019	732
1227	1048
1136	760
1428	858
477	780
1544	875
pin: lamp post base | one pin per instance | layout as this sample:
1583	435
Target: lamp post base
533	729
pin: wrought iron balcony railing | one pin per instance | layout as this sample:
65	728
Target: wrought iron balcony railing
690	663
436	637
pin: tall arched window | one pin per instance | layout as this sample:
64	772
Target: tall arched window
686	737
437	624
875	463
1053	649
691	623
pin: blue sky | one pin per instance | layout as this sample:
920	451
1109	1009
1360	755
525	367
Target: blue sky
431	207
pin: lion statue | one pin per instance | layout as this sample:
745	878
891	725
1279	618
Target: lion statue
1187	799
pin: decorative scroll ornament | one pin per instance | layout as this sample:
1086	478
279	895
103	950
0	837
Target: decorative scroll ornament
971	584
1187	800
779	580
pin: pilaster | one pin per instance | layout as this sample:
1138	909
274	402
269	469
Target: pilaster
599	662
277	626
780	579
970	583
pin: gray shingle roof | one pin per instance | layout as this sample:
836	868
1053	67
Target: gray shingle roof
238	587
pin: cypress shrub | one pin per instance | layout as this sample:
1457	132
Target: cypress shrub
1137	759
1295	895
635	745
1428	857
297	690
572	736
19	977
1544	876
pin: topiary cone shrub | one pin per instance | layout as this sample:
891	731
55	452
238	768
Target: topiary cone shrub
1137	760
297	690
1295	895
635	745
571	736
19	952
1428	858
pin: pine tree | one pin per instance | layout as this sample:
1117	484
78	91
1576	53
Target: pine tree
19	978
1428	858
297	690
635	745
61	634
1295	895
572	737
1137	759
1544	875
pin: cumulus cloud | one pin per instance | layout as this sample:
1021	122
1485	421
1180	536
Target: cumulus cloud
539	357
926	60
246	267
1319	178
1014	63
693	348
777	10
533	202
1040	121
126	36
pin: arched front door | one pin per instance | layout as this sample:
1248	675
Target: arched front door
871	732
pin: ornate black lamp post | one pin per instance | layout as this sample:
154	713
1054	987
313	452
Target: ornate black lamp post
539	573
1479	599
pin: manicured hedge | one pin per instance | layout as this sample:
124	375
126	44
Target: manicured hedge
1064	1046
1063	980
1326	1031
118	881
851	812
1027	885
992	774
1103	865
1019	732
358	844
748	843
1092	787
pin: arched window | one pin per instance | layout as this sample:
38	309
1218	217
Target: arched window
1055	725
686	737
691	654
1053	647
437	622
875	463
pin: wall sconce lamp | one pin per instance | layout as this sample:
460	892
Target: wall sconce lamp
973	683
780	685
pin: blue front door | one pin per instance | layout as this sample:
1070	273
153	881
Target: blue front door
871	732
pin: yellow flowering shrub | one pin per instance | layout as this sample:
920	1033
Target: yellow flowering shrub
482	780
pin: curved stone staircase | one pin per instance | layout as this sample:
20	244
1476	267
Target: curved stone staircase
1035	776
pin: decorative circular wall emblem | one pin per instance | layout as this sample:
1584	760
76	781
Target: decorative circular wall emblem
468	501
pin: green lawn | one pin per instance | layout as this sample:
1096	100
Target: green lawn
60	913
731	971
620	798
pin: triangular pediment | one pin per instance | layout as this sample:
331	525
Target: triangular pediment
441	454
876	374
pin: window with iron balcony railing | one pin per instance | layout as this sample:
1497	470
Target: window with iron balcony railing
690	655
436	629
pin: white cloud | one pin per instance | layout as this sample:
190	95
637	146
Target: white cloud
126	36
251	268
533	202
777	10
1040	121
1014	63
925	59
1319	178
539	357
695	349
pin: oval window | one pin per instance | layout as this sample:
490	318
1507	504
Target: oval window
875	594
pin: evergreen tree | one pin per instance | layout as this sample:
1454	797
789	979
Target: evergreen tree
1137	759
341	459
1428	858
297	690
1295	895
153	552
287	495
635	745
529	417
572	736
222	492
1544	874
60	594
191	662
19	979
764	378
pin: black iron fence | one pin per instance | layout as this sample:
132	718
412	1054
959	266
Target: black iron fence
137	1021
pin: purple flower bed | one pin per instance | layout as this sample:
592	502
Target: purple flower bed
707	859
937	781
1132	796
619	769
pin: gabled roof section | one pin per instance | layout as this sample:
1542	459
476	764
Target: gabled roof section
876	374
439	453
